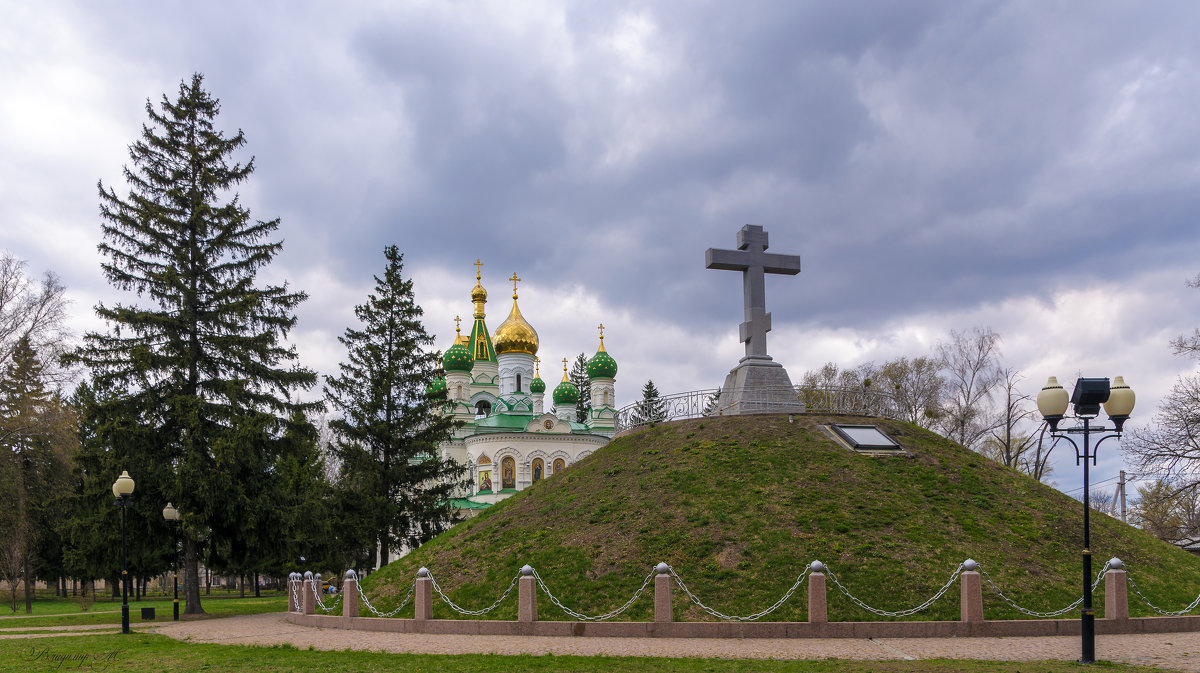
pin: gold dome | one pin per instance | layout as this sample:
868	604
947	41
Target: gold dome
515	335
478	294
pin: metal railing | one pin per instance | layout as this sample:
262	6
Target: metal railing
797	399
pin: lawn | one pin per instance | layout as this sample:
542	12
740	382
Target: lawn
146	653
56	611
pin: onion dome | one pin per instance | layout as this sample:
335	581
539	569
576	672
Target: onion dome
602	365
566	393
458	357
478	294
537	385
436	387
515	335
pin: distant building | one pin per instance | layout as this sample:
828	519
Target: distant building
508	441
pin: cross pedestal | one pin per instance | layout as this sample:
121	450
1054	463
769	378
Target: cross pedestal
757	384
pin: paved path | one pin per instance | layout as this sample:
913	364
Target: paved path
1179	651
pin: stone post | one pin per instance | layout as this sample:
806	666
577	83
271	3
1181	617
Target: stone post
971	593
526	596
662	594
350	595
423	596
818	612
306	593
1116	591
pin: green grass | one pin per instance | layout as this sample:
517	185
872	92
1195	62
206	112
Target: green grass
740	505
147	653
109	611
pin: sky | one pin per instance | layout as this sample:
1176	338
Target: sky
1028	167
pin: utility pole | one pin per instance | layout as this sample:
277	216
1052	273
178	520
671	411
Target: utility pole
1121	488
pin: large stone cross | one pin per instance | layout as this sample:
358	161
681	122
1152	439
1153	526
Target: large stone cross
754	262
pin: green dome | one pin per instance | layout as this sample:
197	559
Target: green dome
436	387
566	394
602	366
457	359
537	385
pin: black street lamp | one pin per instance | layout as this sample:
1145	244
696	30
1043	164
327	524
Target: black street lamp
122	489
1087	397
172	516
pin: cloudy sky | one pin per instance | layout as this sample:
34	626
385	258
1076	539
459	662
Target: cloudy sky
1031	167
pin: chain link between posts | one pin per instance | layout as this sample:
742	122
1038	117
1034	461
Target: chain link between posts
320	604
296	595
736	618
598	618
474	613
1165	613
1033	613
372	608
899	613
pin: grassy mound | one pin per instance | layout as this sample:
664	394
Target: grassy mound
738	506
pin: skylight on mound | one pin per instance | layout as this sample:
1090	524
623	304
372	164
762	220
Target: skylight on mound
865	438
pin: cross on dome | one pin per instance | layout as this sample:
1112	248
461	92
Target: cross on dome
515	280
477	265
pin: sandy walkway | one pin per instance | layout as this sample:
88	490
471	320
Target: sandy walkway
1173	650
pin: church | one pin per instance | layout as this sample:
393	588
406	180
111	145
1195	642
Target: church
507	439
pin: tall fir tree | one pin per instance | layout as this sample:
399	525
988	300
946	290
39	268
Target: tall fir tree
394	481
651	408
579	376
209	347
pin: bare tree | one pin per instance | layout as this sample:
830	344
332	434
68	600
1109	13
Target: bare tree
1157	511
969	361
1171	445
1006	442
1188	344
917	388
34	310
1038	465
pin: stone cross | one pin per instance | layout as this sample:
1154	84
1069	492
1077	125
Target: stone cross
754	262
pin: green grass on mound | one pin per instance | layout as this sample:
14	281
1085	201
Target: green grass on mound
740	505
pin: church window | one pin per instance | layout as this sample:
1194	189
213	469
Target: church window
508	474
480	349
518	383
538	468
459	397
482	408
559	465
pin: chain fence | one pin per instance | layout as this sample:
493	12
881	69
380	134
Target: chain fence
1155	608
898	613
735	618
1033	613
597	618
473	613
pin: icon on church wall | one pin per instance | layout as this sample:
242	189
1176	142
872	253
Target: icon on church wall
538	468
559	465
485	480
508	473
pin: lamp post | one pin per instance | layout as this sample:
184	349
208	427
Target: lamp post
1088	396
172	516
122	488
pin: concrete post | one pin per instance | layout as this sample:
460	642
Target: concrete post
971	599
423	596
818	611
526	596
1116	595
350	595
310	603
662	594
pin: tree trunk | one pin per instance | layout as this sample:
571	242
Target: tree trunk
27	569
242	581
207	582
191	581
257	594
116	587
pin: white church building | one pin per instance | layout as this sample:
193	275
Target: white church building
508	440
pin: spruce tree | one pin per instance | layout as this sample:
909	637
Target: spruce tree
651	408
207	348
580	378
395	483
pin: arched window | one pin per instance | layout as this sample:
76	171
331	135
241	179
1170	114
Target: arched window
459	396
538	468
559	465
508	473
518	383
482	408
